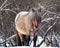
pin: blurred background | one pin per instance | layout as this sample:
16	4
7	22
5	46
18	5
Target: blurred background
51	15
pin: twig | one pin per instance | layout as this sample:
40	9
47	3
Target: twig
10	37
50	18
4	3
47	11
2	23
7	5
44	14
53	13
46	34
10	10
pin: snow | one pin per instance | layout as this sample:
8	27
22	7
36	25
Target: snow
39	39
28	47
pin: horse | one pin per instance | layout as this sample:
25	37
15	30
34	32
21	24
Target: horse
27	24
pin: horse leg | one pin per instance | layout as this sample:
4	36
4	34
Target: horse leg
35	39
19	41
23	39
28	39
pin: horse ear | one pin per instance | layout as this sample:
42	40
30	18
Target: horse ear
39	9
33	10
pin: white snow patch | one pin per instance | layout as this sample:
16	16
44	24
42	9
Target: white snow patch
39	39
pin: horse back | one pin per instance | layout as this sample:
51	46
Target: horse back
20	22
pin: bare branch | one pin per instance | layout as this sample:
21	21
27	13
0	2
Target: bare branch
46	34
44	14
9	10
47	11
4	3
53	13
50	18
10	37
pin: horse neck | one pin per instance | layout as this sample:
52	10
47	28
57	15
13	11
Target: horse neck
29	18
30	14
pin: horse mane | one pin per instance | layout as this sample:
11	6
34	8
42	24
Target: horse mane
33	15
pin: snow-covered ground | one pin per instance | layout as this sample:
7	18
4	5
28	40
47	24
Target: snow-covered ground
39	39
28	47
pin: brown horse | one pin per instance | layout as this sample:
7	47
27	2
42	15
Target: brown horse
27	24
